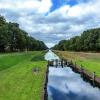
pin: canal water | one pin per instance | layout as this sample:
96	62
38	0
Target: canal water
64	84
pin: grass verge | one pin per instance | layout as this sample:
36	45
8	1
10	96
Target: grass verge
18	81
90	61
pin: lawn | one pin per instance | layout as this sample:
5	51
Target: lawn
90	61
18	80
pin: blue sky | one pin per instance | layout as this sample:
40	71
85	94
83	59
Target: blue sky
59	3
52	20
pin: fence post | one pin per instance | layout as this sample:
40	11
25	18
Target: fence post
66	62
56	63
94	78
62	63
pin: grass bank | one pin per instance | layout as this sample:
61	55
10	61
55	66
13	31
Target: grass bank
90	61
19	79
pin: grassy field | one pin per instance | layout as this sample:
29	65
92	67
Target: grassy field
18	81
90	61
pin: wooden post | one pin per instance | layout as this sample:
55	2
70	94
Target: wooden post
56	63
62	63
66	62
94	78
59	62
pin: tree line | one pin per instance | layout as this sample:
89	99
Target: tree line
88	41
12	38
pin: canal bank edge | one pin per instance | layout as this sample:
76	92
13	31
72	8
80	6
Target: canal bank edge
45	93
85	74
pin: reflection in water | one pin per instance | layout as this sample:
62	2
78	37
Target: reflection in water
64	84
50	56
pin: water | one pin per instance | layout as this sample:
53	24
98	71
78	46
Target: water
64	84
50	56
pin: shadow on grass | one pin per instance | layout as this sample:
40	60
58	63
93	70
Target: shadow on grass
38	58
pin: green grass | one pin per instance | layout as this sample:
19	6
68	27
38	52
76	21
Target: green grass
17	79
90	61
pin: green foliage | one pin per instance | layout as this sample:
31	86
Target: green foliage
2	20
17	79
12	38
88	41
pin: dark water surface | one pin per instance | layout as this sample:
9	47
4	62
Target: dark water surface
64	84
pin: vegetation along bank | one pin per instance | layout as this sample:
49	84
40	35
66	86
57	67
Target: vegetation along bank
22	75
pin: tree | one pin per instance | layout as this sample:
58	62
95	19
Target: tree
2	20
88	41
12	38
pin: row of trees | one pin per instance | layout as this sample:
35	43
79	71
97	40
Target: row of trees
12	38
88	41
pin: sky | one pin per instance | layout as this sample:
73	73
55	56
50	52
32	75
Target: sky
52	20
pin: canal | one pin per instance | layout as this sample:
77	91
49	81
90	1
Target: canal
64	84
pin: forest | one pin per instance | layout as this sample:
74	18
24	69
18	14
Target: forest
88	41
13	38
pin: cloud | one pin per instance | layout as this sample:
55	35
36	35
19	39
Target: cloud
67	21
41	6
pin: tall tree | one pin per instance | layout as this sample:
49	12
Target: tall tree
88	41
12	38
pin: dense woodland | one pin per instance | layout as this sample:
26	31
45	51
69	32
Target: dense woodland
88	41
13	39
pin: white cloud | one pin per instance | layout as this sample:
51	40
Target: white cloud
42	6
83	9
45	6
63	23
